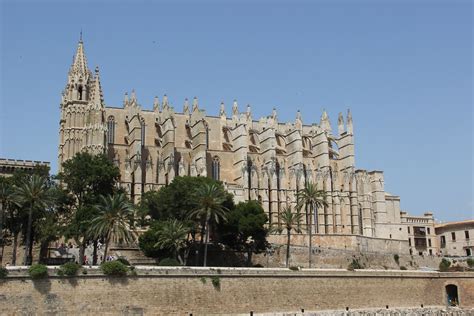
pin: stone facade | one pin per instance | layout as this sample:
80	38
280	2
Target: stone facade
9	166
265	159
456	238
421	234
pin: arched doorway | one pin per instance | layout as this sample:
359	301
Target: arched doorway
452	298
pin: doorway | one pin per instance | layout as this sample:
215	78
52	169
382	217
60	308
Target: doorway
452	298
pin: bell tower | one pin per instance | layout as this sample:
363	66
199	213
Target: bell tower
82	124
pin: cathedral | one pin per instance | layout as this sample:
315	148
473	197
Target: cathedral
256	159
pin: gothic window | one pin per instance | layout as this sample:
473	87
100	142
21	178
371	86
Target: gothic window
79	92
142	122
216	168
361	227
249	175
110	130
277	171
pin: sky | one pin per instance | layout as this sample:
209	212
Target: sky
404	68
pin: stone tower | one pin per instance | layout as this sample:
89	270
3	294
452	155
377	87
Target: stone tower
82	124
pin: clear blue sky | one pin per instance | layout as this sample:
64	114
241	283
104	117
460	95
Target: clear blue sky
405	69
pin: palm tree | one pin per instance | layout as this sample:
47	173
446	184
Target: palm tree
314	198
209	201
173	235
7	200
291	221
113	221
33	193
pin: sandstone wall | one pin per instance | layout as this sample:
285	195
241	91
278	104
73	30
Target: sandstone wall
331	258
167	291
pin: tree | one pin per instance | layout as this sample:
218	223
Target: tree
51	224
173	235
245	229
209	209
7	203
314	198
33	195
86	177
177	199
147	242
291	221
112	222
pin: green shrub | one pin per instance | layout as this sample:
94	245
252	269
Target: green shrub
203	280
69	269
216	282
169	262
84	271
396	257
114	268
3	272
293	268
38	271
403	268
355	264
444	265
470	262
124	261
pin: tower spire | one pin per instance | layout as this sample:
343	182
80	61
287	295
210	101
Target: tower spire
79	65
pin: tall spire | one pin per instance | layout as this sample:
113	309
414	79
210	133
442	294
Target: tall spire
79	64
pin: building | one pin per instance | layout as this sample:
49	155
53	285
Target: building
456	238
260	159
421	234
9	166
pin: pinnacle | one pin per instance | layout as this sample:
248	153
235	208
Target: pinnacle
80	62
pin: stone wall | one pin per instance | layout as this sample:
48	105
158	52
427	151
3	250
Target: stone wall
346	242
332	258
180	291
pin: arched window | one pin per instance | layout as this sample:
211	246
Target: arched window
249	176
142	122
216	168
79	92
110	130
361	223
